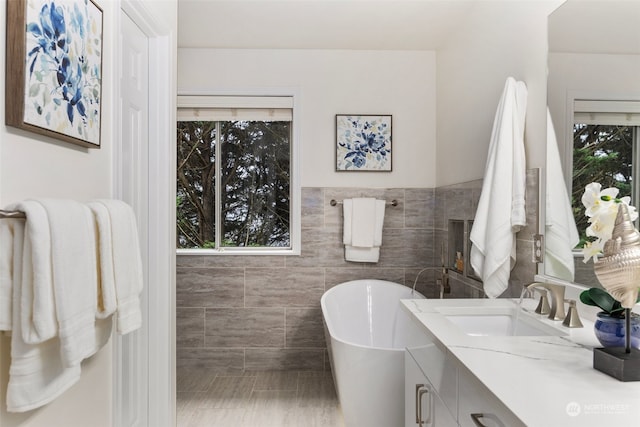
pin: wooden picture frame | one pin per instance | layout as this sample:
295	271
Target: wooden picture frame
363	142
54	69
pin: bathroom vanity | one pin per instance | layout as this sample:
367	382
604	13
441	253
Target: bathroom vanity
484	362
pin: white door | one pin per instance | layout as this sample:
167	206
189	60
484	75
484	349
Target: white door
131	385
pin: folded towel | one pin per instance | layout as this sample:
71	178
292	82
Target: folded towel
501	209
38	312
75	281
6	273
347	221
107	299
356	254
120	262
380	209
363	221
561	233
36	375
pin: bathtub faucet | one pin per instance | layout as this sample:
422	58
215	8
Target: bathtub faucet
415	282
443	282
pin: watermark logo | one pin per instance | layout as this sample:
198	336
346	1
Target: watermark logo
573	409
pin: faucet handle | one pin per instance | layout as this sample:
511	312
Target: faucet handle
557	293
572	320
543	303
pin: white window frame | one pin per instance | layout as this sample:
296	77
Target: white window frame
264	99
615	112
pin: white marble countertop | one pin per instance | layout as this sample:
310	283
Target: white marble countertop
546	381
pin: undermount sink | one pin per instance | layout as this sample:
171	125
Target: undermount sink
498	321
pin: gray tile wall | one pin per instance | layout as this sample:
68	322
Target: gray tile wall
460	202
456	202
237	313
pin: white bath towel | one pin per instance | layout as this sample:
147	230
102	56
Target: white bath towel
363	223
107	299
347	219
36	375
75	281
38	312
561	233
501	209
120	252
6	273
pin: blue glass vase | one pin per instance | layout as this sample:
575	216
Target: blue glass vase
610	330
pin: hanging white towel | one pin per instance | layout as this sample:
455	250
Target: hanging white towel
363	222
36	375
501	209
347	220
75	281
107	299
6	273
38	312
39	371
561	233
120	263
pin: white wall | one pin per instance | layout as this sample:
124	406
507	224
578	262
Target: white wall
36	166
499	39
590	76
401	83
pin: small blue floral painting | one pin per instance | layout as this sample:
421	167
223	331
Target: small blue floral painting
363	143
63	70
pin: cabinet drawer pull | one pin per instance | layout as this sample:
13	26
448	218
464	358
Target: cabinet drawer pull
418	409
421	393
477	417
476	420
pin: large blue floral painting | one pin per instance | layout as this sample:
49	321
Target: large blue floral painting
363	142
62	69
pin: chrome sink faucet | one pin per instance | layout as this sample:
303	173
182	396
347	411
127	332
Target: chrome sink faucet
557	299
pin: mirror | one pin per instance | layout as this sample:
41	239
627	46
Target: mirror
594	79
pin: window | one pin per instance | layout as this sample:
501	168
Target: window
236	186
606	137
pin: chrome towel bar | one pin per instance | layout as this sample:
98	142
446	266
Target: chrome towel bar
12	214
334	202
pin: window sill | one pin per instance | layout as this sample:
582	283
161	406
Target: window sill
239	252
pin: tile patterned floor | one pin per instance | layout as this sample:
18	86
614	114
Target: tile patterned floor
266	399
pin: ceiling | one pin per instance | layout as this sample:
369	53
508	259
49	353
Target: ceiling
588	26
584	26
319	24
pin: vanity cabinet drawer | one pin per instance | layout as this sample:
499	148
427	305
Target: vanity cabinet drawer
478	407
441	371
423	406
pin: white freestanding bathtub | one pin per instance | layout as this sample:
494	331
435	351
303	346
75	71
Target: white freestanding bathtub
367	331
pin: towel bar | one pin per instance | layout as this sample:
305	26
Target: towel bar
334	202
11	214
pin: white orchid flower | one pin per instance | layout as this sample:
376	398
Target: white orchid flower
601	207
592	250
591	194
601	227
595	200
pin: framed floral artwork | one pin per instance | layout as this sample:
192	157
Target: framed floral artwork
363	143
54	69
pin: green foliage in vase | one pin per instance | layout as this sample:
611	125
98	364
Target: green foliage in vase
600	298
